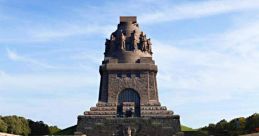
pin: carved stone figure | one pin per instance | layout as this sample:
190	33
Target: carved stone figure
107	46
122	41
135	41
149	47
144	43
112	42
112	37
129	131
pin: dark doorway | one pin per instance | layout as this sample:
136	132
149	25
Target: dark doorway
128	95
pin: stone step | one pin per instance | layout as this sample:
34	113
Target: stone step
101	116
103	108
101	104
160	116
153	108
156	112
100	113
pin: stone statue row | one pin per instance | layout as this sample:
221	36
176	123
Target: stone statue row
133	44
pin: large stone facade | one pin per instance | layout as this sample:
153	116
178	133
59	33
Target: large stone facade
128	87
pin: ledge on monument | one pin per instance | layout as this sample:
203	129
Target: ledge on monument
153	108
105	104
115	117
157	112
128	66
100	113
153	103
103	108
132	19
109	60
146	60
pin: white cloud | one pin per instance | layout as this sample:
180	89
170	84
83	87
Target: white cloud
19	58
227	66
32	82
65	108
60	29
244	40
2	73
218	73
51	33
222	75
197	10
47	33
32	95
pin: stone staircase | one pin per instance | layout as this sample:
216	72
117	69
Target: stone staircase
110	110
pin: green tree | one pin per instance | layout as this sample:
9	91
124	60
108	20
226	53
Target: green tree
17	125
53	129
3	125
38	128
237	126
252	122
21	126
210	129
221	127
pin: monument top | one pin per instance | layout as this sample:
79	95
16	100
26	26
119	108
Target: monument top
132	19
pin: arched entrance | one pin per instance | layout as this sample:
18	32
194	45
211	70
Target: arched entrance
128	99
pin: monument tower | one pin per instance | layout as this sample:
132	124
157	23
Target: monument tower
128	95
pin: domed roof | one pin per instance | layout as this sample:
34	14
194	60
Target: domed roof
128	43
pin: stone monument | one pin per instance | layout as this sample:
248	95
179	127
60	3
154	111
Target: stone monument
128	103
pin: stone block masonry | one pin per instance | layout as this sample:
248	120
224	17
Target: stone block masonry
128	103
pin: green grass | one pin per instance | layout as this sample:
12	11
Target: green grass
67	131
193	132
185	128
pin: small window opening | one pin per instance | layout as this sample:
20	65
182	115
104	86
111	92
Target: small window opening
137	74
119	75
129	75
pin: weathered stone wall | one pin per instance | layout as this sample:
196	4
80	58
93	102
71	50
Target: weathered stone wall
152	87
159	126
118	84
103	93
141	77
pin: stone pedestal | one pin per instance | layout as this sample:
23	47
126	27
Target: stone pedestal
144	126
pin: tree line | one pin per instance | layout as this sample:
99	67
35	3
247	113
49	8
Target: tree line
235	127
21	126
238	126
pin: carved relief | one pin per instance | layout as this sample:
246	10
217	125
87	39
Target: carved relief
110	45
136	41
122	42
145	44
149	47
107	46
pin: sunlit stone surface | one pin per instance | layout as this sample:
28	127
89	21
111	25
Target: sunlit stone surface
128	103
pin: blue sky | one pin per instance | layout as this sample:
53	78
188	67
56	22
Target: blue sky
207	53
